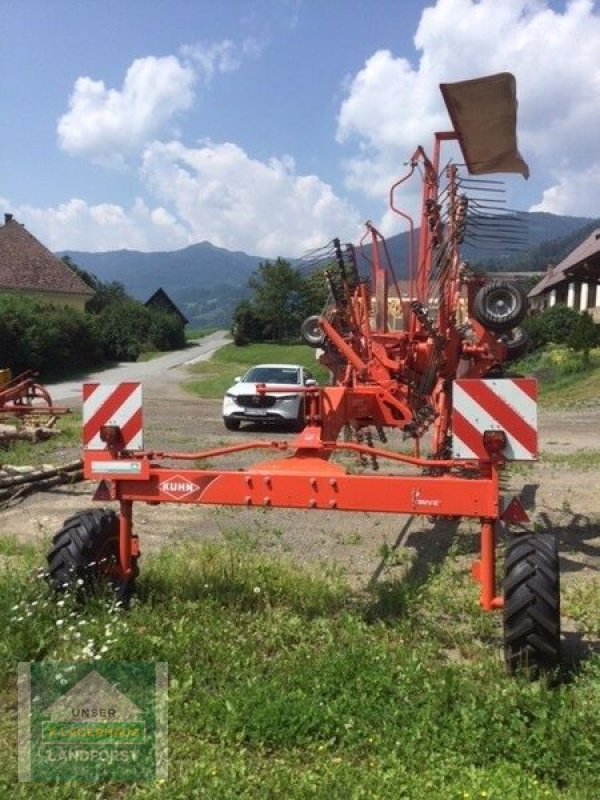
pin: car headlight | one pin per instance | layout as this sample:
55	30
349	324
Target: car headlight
229	395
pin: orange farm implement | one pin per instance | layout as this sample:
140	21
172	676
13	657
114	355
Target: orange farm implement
434	377
25	395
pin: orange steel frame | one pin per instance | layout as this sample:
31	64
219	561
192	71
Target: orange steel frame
306	480
374	373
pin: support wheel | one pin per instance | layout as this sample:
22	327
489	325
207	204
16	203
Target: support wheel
311	331
500	306
516	342
86	549
231	424
532	604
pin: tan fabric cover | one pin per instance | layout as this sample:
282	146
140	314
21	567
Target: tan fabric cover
484	115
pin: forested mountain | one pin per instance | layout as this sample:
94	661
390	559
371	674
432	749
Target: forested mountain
207	282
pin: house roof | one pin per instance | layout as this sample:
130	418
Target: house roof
587	249
26	265
161	301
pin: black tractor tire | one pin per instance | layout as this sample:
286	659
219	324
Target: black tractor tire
311	331
532	604
516	342
299	423
82	550
500	306
231	424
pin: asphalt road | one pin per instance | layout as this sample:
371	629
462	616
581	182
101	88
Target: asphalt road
66	391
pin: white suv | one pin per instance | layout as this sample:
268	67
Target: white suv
243	403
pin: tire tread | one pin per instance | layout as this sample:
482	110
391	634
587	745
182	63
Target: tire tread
532	604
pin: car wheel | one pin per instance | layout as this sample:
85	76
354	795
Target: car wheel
300	422
231	424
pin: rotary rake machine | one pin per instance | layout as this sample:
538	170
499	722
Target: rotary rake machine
432	373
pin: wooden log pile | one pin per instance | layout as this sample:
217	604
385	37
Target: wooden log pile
17	482
31	428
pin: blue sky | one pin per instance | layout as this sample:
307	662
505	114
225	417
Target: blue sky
272	125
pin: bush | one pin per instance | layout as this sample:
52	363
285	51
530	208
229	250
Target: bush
583	336
122	328
165	331
247	327
554	325
54	340
46	338
127	327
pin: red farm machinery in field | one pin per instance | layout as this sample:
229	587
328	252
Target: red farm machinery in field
25	395
433	375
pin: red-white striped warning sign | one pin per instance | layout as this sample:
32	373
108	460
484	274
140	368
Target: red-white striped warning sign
493	404
112	404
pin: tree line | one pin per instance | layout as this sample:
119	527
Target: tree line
56	340
284	296
562	325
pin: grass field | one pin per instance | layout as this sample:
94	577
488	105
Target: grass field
565	380
285	685
212	378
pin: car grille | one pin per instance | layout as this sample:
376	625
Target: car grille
255	401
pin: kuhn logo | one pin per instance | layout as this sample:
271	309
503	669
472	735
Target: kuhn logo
178	487
423	502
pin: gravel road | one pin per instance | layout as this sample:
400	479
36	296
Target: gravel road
146	371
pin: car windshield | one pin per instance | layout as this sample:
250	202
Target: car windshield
289	375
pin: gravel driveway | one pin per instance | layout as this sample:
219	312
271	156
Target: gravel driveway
146	371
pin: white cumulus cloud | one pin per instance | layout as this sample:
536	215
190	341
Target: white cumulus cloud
223	195
75	225
393	104
576	193
105	125
225	56
215	192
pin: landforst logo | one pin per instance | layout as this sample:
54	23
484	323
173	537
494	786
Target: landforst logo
92	724
178	487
